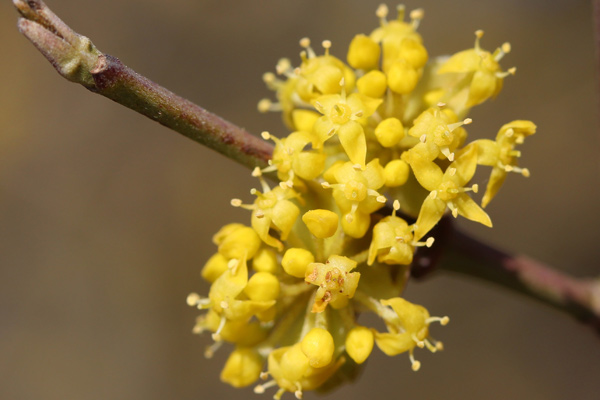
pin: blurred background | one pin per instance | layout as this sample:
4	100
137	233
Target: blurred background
106	217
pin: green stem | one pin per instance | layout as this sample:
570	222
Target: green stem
76	59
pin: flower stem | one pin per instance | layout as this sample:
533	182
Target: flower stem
78	60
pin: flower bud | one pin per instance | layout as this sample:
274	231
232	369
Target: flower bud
296	260
359	343
242	368
318	346
321	223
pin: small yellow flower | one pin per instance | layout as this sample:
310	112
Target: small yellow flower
408	327
501	155
341	116
242	368
335	281
447	191
482	70
355	193
393	241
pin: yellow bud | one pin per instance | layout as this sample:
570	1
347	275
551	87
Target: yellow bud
359	343
265	260
402	78
372	84
242	368
262	286
318	346
242	242
321	223
396	173
389	132
296	260
363	53
356	225
413	52
304	119
214	267
294	363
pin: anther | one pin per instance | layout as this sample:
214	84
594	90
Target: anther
381	199
256	172
429	242
304	42
382	11
396	205
451	171
479	33
265	135
192	299
236	202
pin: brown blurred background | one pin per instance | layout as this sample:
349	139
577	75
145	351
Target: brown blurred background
106	217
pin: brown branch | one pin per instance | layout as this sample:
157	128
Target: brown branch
75	58
458	252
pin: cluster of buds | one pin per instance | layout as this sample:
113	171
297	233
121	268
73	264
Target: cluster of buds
383	131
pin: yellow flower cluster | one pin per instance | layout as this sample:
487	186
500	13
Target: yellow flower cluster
385	128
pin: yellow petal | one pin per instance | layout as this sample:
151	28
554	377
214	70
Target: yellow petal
470	210
431	212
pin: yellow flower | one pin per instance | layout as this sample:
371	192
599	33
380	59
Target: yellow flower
408	327
335	281
355	193
393	241
438	132
341	116
482	70
447	191
272	209
290	157
501	155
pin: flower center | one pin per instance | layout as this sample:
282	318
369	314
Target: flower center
355	191
340	113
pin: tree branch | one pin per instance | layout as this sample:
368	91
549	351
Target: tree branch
460	253
77	59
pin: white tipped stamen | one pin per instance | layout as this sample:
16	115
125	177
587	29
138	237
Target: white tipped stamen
525	172
236	202
211	350
265	135
449	155
192	299
326	45
264	105
382	12
416	365
396	205
419	343
475	188
304	42
429	242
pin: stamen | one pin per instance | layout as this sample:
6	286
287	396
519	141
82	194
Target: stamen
430	346
453	208
192	299
264	105
429	242
217	335
419	343
442	320
283	65
212	349
416	16
256	172
382	12
381	199
446	151
265	135
416	365
236	202
260	389
326	45
325	185
451	171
